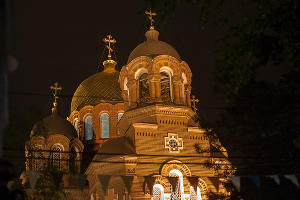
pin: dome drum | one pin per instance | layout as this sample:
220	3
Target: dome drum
163	79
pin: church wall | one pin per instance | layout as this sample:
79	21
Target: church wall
95	112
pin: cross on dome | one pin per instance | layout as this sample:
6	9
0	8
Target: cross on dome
109	40
150	17
55	89
194	101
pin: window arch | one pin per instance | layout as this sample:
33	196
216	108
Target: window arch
56	156
158	192
104	120
144	92
89	132
120	115
165	85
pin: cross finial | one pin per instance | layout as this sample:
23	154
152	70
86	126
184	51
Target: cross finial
194	101
150	17
55	89
109	40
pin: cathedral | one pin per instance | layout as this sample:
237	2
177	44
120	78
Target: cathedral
132	134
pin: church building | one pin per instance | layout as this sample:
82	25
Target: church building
133	133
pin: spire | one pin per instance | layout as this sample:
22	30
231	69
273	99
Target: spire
109	64
55	89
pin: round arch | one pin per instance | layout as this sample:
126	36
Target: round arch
175	164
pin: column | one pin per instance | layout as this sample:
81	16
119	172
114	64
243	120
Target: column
131	84
176	82
126	99
152	87
188	88
181	93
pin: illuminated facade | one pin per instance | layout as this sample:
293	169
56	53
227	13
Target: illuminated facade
137	130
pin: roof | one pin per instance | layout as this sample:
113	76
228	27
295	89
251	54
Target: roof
98	88
53	124
153	47
116	146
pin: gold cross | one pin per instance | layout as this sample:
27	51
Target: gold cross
194	100
109	40
55	89
150	17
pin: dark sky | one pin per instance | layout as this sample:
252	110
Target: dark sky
61	41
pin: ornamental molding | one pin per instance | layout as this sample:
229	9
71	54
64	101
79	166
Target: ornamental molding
162	110
173	143
175	164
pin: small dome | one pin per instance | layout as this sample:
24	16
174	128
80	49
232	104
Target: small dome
153	47
100	87
53	124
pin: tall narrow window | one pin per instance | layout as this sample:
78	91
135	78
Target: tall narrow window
37	159
89	132
158	192
40	160
144	92
56	156
119	117
104	119
193	194
165	86
177	192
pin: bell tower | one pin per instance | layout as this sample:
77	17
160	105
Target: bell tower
156	87
155	74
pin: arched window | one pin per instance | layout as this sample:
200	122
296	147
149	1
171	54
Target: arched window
158	192
89	132
177	192
56	156
144	92
165	85
37	159
40	160
120	115
75	124
104	120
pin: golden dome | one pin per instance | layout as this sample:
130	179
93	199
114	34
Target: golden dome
100	87
153	47
53	124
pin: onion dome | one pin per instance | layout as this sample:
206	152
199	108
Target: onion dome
153	47
53	124
98	88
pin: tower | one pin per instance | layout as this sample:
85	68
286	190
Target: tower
97	104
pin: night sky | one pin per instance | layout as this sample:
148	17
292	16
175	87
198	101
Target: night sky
62	41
